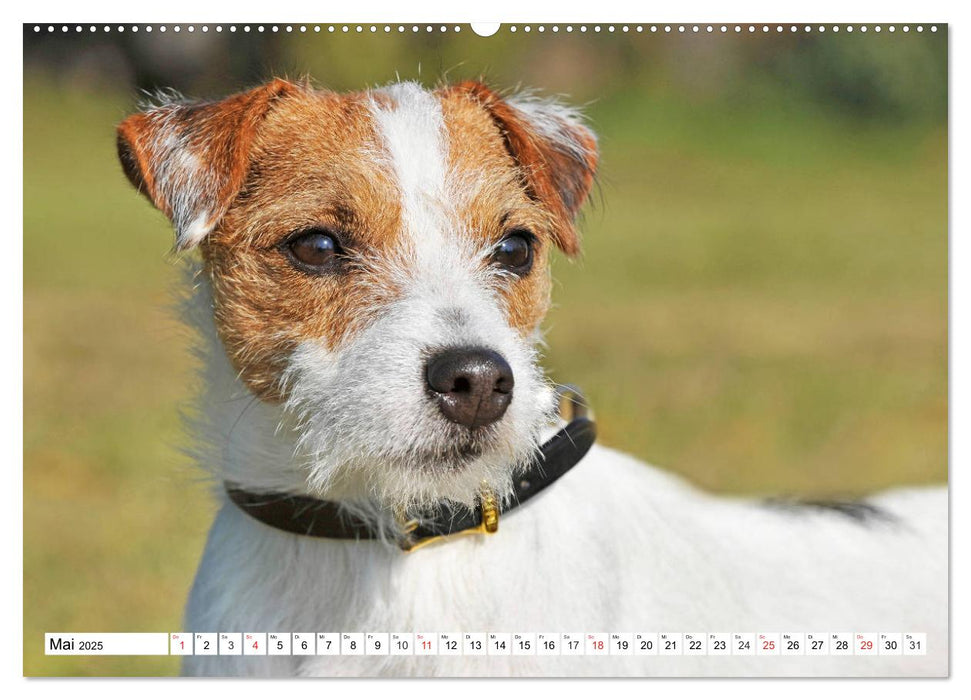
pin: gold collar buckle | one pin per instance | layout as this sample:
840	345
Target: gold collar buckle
489	524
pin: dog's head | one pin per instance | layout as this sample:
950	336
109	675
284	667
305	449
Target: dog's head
379	267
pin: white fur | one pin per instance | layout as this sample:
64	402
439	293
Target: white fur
196	230
613	546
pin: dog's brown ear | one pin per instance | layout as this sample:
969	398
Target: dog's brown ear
191	159
556	152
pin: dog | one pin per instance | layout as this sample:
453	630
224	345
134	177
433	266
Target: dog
372	277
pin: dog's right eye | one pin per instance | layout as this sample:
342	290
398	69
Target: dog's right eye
313	251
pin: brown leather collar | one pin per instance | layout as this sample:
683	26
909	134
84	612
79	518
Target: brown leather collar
312	517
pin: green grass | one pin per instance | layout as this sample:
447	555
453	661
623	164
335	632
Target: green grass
106	490
762	307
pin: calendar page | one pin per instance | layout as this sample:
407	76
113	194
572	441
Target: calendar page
485	350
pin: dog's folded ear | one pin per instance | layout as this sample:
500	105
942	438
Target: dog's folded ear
555	150
191	158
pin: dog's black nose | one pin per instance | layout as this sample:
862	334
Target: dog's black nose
473	386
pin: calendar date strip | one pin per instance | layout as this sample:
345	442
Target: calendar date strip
487	644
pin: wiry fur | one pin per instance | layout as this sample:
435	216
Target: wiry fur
314	385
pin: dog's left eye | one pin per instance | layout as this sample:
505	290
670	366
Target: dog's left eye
313	251
515	252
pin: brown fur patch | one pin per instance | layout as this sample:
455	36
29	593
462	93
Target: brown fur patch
558	169
494	201
310	167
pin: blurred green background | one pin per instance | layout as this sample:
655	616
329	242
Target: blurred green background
761	306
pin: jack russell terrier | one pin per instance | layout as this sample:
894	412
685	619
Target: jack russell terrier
374	271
